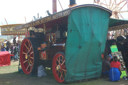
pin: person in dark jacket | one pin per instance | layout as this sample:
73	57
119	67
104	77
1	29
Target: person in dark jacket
15	52
14	40
106	66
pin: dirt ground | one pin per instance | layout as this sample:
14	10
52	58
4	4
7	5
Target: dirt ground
9	75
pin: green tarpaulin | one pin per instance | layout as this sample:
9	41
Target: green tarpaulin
87	33
117	22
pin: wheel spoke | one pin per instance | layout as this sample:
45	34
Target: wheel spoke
58	60
27	67
61	76
29	43
32	58
24	53
64	70
25	61
31	52
31	62
30	66
26	46
63	62
30	49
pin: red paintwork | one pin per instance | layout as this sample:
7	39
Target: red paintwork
59	75
26	63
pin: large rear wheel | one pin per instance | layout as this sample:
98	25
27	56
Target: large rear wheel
29	56
58	67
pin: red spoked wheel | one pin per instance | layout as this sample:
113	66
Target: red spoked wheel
27	56
58	67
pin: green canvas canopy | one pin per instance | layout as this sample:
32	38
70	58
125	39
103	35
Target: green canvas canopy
116	24
87	33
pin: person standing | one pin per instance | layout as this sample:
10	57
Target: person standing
106	66
14	41
16	53
8	46
3	48
115	71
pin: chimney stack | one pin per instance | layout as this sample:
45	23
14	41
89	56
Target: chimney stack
54	6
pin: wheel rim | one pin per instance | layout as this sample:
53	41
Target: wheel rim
26	56
58	67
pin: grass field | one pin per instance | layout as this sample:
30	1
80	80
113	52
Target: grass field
9	76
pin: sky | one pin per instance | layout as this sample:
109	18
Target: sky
22	11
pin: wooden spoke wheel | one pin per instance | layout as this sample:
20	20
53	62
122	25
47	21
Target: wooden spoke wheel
28	56
58	67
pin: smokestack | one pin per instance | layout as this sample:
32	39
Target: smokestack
72	3
54	6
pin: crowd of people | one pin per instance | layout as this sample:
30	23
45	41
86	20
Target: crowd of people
111	68
12	48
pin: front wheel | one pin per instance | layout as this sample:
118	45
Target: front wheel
58	67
